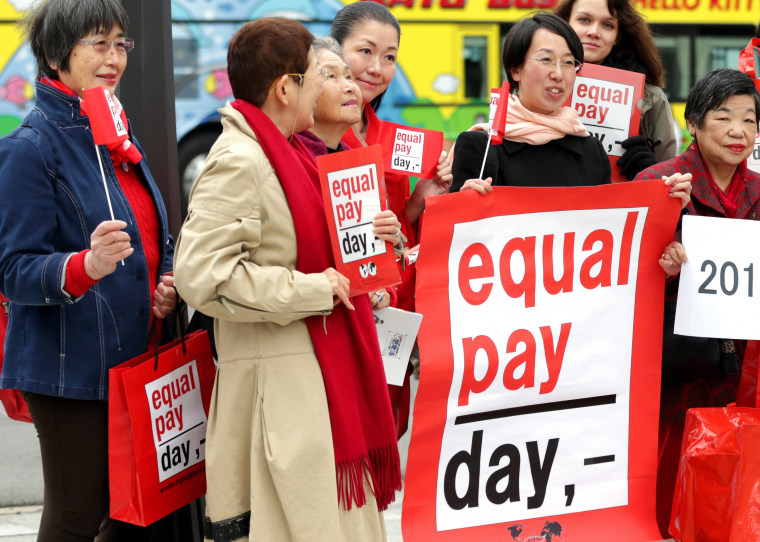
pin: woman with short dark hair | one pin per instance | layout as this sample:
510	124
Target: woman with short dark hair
722	112
300	443
75	310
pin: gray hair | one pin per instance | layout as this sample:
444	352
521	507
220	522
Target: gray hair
328	43
53	28
714	89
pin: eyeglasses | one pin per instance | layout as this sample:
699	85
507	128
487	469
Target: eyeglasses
103	45
300	76
566	64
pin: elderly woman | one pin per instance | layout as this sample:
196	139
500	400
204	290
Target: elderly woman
722	112
337	109
300	442
75	311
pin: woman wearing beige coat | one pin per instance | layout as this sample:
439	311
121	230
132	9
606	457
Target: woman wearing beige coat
299	416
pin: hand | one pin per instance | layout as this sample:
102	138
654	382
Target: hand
340	287
481	186
386	226
108	246
680	187
425	188
164	297
672	257
637	156
380	299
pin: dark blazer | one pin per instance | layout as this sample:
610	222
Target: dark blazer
570	161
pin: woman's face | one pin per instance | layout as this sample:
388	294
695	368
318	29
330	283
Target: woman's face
89	68
309	90
340	102
545	89
727	135
596	27
371	51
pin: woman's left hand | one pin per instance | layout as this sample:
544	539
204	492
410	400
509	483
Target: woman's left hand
680	187
386	226
672	258
164	298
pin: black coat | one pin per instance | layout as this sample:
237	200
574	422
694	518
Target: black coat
570	161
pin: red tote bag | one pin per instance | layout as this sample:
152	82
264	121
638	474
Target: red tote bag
11	402
157	417
718	490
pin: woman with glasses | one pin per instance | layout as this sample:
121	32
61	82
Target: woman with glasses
614	34
544	144
85	290
337	109
300	443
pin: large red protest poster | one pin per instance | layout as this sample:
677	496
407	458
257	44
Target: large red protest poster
540	349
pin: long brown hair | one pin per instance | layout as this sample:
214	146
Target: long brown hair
635	41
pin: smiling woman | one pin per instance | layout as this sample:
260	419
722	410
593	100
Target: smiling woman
722	112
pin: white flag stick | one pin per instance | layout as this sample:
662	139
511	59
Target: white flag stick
105	186
488	146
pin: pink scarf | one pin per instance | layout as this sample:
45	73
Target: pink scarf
536	129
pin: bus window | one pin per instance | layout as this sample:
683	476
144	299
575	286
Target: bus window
475	57
185	64
713	52
675	53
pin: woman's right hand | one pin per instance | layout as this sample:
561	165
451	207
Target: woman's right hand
340	287
108	246
482	186
672	258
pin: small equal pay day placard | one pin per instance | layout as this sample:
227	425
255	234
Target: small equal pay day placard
718	292
414	151
606	100
353	191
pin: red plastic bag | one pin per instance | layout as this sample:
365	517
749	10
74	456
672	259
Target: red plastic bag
749	60
157	417
718	485
11	402
747	393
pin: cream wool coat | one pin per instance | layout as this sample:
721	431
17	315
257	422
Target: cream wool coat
269	457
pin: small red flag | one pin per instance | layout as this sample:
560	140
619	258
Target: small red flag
498	126
105	117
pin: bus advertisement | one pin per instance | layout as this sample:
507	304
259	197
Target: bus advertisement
449	59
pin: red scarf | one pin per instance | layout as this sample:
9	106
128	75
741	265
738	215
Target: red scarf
120	152
730	199
349	354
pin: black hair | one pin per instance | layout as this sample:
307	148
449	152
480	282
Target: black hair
714	89
53	28
349	17
520	36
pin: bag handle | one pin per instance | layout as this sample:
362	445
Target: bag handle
179	325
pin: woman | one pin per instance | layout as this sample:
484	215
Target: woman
722	110
337	109
300	441
83	290
544	144
369	35
614	34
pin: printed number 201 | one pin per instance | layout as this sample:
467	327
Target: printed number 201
728	274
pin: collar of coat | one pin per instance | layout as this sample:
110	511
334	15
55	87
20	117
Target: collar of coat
572	143
701	190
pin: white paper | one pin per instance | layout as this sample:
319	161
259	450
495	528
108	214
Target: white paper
718	291
396	332
753	161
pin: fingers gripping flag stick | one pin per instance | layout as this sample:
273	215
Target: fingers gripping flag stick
498	120
107	127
